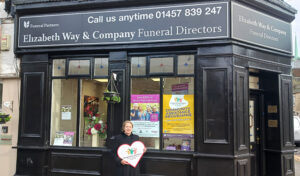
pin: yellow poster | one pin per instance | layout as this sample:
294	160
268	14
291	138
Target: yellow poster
178	114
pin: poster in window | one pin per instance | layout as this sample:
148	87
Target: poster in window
66	112
91	105
180	88
64	138
144	114
178	116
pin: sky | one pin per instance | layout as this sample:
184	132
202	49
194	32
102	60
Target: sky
296	23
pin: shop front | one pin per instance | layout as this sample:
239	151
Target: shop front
207	86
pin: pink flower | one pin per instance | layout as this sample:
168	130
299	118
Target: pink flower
89	131
97	126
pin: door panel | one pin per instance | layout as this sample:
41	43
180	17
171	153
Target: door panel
255	133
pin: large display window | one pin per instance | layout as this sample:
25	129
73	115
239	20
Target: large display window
162	104
78	114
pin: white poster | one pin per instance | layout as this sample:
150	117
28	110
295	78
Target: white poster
66	112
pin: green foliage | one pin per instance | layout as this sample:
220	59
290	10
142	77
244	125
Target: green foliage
111	97
4	117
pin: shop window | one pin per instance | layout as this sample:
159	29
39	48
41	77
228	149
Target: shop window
185	64
93	117
178	113
145	110
101	67
92	113
162	107
79	67
59	67
138	66
64	112
78	115
161	65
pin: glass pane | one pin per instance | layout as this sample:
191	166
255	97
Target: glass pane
93	116
253	82
251	121
64	112
186	64
138	66
161	65
144	110
101	67
178	113
59	67
79	67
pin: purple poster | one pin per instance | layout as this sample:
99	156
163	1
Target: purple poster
145	115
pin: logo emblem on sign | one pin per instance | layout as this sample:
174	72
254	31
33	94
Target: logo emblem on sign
132	154
178	101
26	24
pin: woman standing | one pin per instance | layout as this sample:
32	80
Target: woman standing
126	137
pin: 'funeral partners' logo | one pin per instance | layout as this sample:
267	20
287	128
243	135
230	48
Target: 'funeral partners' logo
26	24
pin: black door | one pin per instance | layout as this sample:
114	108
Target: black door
255	126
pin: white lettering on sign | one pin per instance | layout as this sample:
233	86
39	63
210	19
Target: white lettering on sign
44	38
189	21
113	35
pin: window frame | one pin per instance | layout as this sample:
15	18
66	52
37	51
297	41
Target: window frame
148	60
79	79
91	70
161	76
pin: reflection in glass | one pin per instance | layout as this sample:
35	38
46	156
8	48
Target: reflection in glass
64	112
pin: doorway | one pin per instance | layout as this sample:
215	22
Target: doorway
256	128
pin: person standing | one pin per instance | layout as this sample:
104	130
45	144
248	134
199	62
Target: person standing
126	137
134	112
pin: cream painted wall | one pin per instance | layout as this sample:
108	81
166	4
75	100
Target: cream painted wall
9	65
8	155
9	76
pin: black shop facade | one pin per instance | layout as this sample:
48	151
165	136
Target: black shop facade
206	84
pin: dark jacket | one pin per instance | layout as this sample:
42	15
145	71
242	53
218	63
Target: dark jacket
124	170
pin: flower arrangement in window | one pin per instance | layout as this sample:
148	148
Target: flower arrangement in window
4	118
93	122
96	126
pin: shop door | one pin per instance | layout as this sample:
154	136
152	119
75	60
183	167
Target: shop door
255	111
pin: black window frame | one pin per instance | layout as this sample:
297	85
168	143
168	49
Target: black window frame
79	87
161	76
